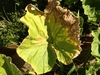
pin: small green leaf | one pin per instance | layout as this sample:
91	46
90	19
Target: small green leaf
6	67
92	9
96	43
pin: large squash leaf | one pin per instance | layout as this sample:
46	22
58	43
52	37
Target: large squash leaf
53	34
63	31
7	67
34	48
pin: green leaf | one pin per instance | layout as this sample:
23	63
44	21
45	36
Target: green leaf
6	67
93	68
35	49
63	31
92	9
96	43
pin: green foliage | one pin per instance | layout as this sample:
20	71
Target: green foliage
6	35
49	37
11	31
92	9
7	67
96	43
95	51
93	68
45	43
